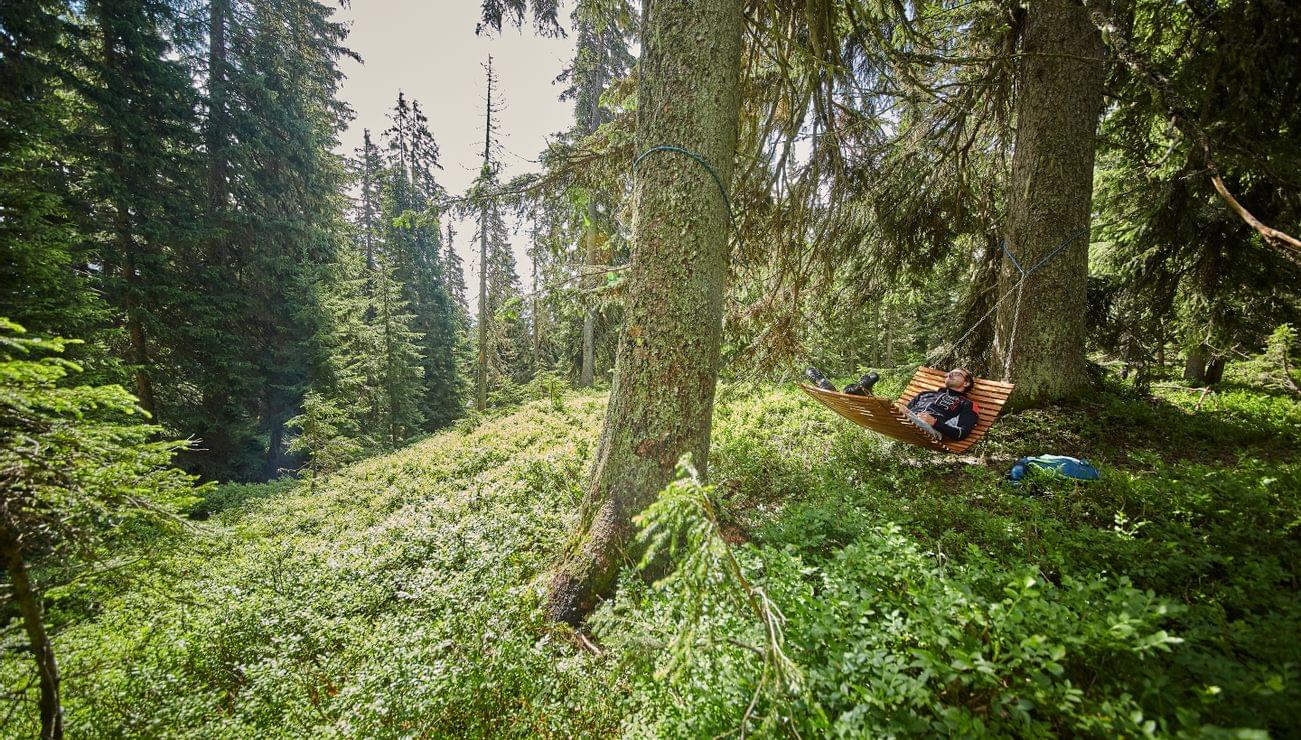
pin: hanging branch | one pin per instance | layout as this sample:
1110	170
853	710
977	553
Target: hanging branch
1188	125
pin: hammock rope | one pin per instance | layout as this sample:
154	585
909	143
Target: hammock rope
1019	290
722	189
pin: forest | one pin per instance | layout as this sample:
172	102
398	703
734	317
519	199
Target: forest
289	447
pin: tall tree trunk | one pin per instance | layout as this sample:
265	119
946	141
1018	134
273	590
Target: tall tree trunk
215	135
128	246
588	374
889	336
139	345
1058	104
481	378
29	605
537	318
667	364
275	443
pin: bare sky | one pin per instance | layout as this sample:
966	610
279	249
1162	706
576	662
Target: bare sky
427	49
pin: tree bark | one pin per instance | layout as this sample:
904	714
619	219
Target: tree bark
275	446
481	377
667	364
588	374
215	134
29	605
1195	365
1058	105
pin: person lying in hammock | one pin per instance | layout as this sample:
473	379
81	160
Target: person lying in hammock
944	412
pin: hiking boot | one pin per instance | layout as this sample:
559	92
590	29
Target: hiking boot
818	380
864	385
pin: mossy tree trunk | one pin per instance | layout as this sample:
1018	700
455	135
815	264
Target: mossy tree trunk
1059	101
667	364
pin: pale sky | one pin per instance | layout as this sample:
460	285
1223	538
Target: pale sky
427	49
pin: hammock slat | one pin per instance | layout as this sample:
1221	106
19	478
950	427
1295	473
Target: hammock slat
883	417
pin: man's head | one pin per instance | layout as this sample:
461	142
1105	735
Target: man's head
959	379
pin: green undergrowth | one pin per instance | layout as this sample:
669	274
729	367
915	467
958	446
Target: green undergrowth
829	582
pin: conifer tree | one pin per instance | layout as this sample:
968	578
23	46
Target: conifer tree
1038	337
662	400
413	240
281	62
44	276
601	55
140	174
490	228
76	469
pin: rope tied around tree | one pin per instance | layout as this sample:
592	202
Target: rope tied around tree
698	159
1019	289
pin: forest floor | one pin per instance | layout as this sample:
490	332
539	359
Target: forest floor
835	583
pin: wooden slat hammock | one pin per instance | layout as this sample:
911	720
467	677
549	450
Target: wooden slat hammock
881	416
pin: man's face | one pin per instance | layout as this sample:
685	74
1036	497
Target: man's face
957	379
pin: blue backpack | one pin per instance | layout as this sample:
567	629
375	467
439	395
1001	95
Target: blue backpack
1068	467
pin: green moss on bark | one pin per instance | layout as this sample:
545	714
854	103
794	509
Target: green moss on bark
663	394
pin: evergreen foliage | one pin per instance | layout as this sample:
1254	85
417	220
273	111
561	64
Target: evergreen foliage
172	201
76	471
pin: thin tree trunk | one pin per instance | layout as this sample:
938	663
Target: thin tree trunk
667	364
537	319
876	338
588	374
481	377
481	387
136	332
29	605
889	336
127	244
274	445
1058	105
215	134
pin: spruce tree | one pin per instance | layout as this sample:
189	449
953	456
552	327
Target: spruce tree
281	62
601	55
45	280
662	400
140	174
1038	338
411	216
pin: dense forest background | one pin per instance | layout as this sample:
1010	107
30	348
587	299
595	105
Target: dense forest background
173	198
1075	196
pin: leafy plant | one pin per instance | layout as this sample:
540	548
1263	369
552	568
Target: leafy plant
73	472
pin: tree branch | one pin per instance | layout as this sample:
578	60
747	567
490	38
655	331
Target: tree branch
1187	124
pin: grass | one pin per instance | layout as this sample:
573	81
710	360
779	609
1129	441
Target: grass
920	594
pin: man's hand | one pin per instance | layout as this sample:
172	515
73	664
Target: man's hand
928	418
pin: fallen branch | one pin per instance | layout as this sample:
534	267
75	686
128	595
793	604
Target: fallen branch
588	645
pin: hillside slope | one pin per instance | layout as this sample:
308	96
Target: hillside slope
904	592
